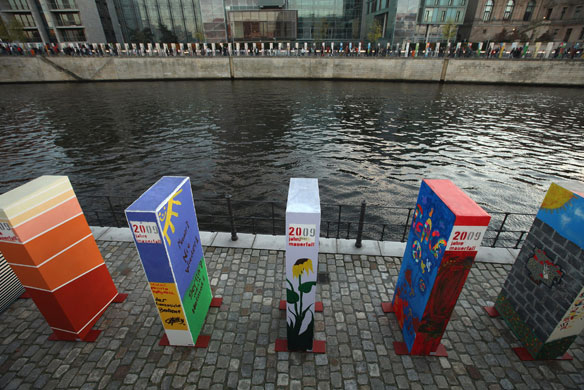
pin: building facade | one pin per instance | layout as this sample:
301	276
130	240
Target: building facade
433	15
163	20
380	14
524	20
53	21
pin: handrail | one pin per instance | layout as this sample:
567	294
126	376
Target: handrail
347	221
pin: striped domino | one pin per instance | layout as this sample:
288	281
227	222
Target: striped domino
48	244
10	287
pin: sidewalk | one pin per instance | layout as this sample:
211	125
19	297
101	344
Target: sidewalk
327	245
359	336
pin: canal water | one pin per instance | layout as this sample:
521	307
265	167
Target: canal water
370	141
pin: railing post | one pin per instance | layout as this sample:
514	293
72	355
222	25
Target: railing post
406	225
500	229
231	220
348	229
98	219
382	232
109	201
273	220
358	243
339	223
519	240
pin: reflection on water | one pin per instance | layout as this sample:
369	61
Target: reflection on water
363	140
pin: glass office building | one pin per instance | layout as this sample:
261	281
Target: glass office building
302	20
166	20
328	19
405	20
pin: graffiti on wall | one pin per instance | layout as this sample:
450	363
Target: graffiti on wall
543	270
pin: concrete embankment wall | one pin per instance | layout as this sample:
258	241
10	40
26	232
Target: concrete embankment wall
527	72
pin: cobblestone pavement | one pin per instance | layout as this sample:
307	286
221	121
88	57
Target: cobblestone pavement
241	355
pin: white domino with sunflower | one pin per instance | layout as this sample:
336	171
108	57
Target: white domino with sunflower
302	232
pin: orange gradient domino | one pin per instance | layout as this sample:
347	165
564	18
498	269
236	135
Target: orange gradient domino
48	244
48	219
49	204
46	240
62	268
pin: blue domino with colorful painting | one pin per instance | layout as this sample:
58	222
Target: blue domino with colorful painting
165	229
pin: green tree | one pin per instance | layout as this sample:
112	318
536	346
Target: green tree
545	37
501	36
322	32
375	32
142	36
13	32
199	36
167	36
4	35
449	31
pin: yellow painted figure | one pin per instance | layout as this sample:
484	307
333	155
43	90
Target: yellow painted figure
166	216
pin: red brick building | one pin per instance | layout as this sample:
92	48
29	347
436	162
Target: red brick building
524	20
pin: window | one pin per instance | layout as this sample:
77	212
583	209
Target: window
442	16
577	11
508	10
436	2
581	34
563	12
529	11
18	4
450	2
25	20
427	16
567	36
488	11
457	19
73	35
462	2
548	14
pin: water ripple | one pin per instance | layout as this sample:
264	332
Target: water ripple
363	140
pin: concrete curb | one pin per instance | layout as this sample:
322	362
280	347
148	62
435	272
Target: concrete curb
327	245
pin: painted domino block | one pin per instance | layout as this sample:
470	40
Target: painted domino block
164	224
542	300
302	232
46	240
446	232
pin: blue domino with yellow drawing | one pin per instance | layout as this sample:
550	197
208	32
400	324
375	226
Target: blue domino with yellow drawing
166	233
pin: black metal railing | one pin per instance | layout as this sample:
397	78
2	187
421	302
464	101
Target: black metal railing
359	222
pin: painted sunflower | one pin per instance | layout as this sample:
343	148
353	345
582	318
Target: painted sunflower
301	266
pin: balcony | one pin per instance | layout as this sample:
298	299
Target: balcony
69	24
63	5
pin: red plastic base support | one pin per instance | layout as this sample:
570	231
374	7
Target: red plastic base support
25	295
202	341
387	307
401	348
216	302
91	337
318	346
318	306
524	355
120	298
491	311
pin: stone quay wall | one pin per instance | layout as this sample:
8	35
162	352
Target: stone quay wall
15	69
